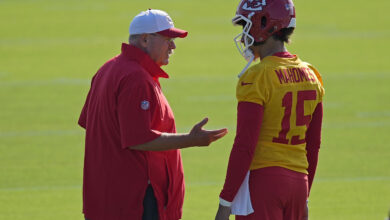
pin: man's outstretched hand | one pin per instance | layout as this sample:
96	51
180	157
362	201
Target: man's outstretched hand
203	137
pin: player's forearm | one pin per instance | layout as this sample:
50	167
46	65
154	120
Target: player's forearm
313	142
167	141
249	118
239	163
312	157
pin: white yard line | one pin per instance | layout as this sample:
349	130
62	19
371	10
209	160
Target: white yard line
41	133
53	82
196	184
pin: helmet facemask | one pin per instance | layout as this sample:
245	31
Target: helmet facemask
244	40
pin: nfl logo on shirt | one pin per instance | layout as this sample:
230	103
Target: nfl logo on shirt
145	105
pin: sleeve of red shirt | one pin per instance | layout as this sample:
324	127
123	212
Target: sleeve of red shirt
313	142
135	122
83	116
249	119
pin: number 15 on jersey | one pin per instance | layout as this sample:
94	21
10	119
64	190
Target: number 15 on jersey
301	118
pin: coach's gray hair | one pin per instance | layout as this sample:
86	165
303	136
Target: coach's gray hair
133	38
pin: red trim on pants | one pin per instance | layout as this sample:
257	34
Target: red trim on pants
277	194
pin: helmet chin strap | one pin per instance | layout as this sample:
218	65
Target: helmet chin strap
248	54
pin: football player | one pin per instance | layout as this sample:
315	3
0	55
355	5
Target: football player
279	116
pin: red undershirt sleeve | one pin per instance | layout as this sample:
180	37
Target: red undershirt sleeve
313	142
249	119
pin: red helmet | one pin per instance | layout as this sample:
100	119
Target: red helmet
266	17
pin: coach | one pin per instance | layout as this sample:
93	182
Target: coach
132	166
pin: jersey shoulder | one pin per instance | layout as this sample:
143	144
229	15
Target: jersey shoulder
251	87
319	78
317	73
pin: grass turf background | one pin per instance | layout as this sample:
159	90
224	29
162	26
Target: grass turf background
49	51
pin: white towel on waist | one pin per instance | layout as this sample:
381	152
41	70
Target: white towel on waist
242	204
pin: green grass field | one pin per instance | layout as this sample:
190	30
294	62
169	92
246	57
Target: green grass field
49	50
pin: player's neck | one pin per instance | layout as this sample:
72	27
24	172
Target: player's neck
271	47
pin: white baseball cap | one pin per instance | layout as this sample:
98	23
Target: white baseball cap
155	21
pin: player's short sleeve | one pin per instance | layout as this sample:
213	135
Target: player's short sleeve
320	84
136	103
252	87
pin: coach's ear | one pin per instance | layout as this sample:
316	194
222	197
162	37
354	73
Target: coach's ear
143	40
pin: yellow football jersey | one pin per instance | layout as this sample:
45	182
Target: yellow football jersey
289	90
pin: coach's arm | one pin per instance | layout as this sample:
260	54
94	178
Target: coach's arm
170	141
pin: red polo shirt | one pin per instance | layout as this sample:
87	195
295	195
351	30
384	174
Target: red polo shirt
126	107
